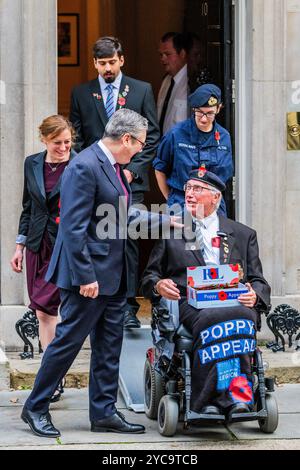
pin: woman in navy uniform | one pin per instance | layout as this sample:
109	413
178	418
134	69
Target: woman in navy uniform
197	141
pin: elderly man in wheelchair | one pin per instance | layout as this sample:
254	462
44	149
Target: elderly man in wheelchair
209	368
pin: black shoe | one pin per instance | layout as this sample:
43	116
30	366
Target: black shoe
238	408
116	423
58	392
210	410
131	320
40	423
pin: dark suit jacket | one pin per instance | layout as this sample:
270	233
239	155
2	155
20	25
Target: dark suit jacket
170	258
80	255
39	213
89	118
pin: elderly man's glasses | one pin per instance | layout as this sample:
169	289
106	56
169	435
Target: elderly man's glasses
209	115
143	144
197	189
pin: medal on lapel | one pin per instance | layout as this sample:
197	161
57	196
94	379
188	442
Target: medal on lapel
226	250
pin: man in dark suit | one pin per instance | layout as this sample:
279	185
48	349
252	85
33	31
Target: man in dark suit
92	104
88	264
220	382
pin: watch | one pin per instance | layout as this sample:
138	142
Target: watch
155	292
136	177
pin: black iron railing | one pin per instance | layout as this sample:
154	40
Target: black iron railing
284	320
28	327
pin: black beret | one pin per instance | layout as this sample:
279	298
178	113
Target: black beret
201	174
205	95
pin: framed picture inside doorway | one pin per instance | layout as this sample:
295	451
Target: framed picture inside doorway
68	39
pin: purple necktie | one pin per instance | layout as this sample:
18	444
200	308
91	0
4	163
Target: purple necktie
118	173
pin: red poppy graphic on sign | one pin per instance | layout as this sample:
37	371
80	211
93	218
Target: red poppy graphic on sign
222	296
213	273
234	281
190	281
241	390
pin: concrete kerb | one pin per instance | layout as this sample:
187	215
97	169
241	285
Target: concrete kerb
4	371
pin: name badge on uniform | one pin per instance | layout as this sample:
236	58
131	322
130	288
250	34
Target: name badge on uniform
222	147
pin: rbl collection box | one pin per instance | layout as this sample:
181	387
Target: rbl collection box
214	286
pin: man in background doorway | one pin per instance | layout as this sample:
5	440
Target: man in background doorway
172	104
92	104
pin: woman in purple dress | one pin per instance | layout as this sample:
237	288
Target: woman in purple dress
39	222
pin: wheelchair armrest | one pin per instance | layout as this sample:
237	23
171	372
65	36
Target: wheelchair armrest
184	332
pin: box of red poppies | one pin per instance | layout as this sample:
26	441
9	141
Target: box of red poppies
214	286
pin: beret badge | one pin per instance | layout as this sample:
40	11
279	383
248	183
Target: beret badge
212	101
201	172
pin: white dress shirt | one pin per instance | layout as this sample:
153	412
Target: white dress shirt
116	88
107	153
177	110
209	228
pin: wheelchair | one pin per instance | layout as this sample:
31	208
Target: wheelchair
167	379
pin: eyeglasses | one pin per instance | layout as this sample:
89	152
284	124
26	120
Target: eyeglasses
197	189
143	144
209	115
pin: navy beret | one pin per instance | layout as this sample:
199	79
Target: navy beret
205	95
201	174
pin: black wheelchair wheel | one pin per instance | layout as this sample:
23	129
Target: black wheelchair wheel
153	390
168	413
269	425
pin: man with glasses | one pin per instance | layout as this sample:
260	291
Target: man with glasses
92	104
197	141
224	338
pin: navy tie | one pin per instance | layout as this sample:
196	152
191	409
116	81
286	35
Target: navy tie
109	107
165	106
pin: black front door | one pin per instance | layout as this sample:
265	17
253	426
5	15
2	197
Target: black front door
212	21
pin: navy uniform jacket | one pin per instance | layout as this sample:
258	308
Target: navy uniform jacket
185	148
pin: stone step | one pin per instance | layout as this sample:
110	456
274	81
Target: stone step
284	366
4	371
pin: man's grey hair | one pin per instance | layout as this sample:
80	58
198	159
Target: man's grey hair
125	121
220	198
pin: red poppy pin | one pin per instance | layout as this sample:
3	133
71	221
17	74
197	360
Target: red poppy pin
216	242
217	137
121	101
57	219
234	267
122	96
97	96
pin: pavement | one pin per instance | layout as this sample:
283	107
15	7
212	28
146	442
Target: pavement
70	416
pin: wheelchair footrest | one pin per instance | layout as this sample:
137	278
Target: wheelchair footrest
192	416
251	416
